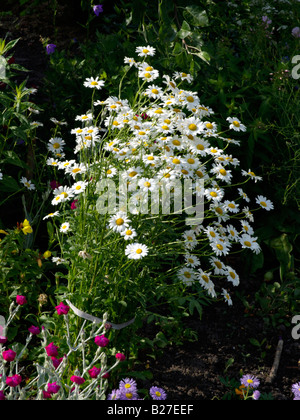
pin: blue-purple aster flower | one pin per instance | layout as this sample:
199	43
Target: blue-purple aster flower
50	48
256	395
158	393
296	389
128	395
250	381
114	395
128	384
98	9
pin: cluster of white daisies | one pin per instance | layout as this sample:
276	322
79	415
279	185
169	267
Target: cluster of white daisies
169	137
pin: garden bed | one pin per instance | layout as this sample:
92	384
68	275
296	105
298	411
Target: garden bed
230	340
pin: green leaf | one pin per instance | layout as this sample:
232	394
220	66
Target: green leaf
185	30
9	184
196	16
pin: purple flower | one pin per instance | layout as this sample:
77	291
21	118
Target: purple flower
50	48
296	32
128	385
62	309
256	395
34	330
53	388
296	389
157	393
250	381
128	395
98	9
101	340
115	395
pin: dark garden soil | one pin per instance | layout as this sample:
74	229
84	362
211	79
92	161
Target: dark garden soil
193	370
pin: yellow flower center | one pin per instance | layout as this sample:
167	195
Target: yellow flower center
247	243
155	91
209	126
223	172
220	247
128	232
132	174
56	145
147	184
263	203
145	51
236	123
119	221
190	99
176	161
213	194
139	251
94	83
193	127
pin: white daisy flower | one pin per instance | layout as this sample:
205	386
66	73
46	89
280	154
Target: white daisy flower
153	91
79	187
264	203
58	260
52	162
232	276
227	297
243	195
65	227
248	242
84	117
235	124
119	222
231	206
56	213
252	175
56	145
187	275
145	51
183	76
130	61
27	183
94	83
128	233
191	260
218	266
220	246
136	251
1	175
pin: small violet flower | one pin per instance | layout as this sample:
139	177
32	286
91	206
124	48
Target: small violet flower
50	48
98	9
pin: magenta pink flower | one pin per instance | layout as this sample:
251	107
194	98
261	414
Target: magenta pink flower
34	330
53	388
21	300
62	309
3	339
56	362
2	396
121	357
77	379
54	184
46	394
94	372
9	355
101	340
52	350
73	205
14	380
